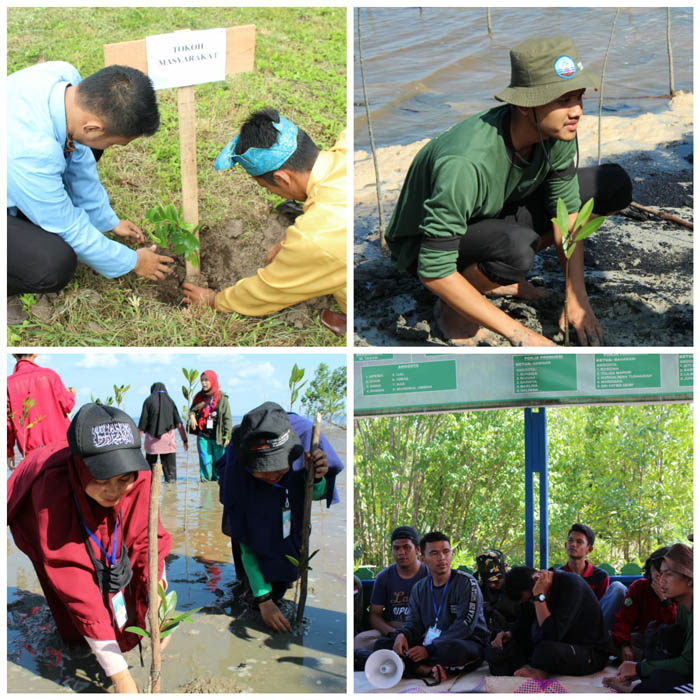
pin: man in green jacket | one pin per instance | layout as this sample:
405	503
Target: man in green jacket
478	200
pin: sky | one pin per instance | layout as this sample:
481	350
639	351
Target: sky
249	378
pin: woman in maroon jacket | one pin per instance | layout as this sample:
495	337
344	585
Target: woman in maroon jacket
79	511
645	602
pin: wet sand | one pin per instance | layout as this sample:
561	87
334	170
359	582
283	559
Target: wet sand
227	648
638	270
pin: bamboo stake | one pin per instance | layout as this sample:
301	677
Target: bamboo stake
380	209
488	20
153	598
671	86
662	215
602	79
306	522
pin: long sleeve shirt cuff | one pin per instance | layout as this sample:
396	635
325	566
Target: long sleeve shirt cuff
108	655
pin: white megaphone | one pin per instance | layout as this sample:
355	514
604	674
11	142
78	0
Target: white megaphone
384	668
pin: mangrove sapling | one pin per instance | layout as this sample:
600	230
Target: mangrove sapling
23	420
296	375
171	230
581	229
188	392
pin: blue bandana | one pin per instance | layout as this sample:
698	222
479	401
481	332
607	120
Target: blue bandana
258	161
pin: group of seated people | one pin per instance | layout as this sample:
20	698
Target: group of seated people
523	622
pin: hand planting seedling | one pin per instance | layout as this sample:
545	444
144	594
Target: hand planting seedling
171	230
168	622
581	229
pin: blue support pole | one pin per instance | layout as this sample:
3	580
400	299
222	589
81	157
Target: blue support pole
536	462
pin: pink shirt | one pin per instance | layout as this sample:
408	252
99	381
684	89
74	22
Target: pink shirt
163	445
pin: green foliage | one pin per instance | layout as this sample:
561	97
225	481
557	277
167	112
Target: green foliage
626	471
23	419
296	375
168	621
581	229
27	301
302	564
326	393
188	391
171	229
119	393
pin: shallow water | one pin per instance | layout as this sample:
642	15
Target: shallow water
227	648
426	69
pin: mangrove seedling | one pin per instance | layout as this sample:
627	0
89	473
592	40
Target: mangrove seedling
295	377
168	621
582	228
24	423
188	392
303	565
171	230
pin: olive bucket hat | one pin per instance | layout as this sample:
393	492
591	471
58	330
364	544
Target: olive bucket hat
542	69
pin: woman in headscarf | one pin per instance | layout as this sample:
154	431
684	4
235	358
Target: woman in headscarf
210	420
79	511
159	418
671	667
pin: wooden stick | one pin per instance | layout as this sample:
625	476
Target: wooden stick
662	215
153	598
306	522
188	163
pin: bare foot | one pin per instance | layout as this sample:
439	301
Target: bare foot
529	672
617	684
456	329
520	290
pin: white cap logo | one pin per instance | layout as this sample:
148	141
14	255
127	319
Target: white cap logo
109	434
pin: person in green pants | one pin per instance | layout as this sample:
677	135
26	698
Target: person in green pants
210	420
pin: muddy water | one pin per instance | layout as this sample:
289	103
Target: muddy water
227	648
426	69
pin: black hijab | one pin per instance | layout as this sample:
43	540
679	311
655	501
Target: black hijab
159	413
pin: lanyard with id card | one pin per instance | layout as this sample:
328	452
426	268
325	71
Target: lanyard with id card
434	632
286	517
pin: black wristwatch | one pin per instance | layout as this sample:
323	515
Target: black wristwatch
540	598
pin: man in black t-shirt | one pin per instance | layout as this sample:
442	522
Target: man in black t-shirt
560	628
392	588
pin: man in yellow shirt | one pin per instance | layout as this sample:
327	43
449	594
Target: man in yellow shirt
311	259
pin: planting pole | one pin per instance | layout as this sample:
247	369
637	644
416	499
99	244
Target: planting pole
153	598
602	79
671	86
306	522
188	163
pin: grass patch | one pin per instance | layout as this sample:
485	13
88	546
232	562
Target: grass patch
300	69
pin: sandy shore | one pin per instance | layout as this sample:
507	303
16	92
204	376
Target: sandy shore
638	269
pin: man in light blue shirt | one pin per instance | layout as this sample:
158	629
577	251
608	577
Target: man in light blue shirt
57	210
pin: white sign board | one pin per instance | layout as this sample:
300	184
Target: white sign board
186	58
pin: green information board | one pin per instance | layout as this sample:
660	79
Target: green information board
411	383
412	377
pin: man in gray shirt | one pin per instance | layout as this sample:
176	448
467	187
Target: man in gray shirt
445	631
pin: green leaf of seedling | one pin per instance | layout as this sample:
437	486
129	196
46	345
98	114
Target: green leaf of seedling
165	633
313	555
171	601
583	214
294	561
182	617
591	227
137	630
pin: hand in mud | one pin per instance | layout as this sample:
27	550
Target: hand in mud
151	265
198	295
272	253
401	644
273	618
585	323
125	229
123	682
320	462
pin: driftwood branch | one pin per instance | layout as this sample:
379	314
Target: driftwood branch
306	522
153	598
662	215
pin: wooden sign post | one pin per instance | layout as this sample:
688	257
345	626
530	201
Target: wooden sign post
240	58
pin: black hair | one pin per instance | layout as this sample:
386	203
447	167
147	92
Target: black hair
584	530
518	579
123	98
257	132
654	561
435	536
